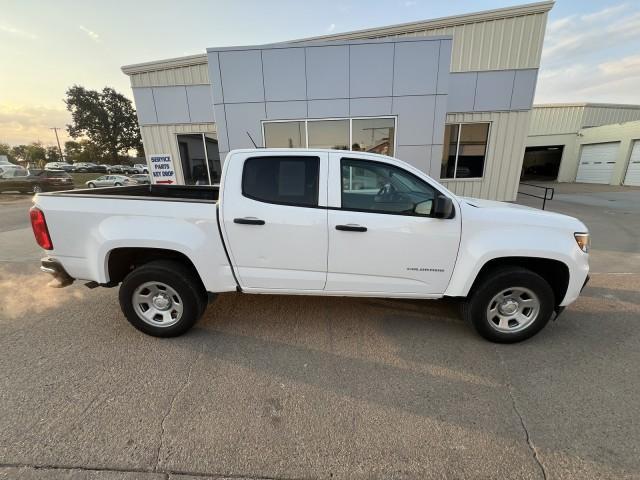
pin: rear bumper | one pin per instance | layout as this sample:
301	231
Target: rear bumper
56	270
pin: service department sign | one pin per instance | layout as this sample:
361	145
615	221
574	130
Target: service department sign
162	170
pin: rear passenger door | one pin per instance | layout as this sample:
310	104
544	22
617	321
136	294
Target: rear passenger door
275	220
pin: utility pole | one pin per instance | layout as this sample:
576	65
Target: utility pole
55	129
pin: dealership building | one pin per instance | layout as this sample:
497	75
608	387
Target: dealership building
452	96
585	143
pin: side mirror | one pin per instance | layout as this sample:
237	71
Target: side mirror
443	207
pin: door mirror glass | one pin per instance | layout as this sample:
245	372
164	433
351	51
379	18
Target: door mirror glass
443	207
423	208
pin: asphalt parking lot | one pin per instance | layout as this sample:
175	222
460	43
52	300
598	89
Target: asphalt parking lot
309	387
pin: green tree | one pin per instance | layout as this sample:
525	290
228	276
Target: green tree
107	118
53	154
83	151
33	154
5	149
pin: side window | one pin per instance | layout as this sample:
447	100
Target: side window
283	180
378	187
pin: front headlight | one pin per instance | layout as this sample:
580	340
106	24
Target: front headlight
583	241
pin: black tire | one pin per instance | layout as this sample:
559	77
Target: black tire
91	185
118	184
475	308
175	275
37	188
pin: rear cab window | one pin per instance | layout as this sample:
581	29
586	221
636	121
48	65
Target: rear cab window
283	180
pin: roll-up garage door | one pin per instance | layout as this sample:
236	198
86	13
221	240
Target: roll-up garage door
596	162
633	170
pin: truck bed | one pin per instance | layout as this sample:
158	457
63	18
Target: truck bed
190	193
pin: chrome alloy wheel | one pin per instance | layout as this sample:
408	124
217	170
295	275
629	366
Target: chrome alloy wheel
513	309
157	304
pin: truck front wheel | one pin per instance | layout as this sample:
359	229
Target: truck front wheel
162	298
509	305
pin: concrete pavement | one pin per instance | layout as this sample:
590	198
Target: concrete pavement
310	387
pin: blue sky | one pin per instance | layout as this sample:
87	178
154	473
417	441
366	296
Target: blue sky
592	48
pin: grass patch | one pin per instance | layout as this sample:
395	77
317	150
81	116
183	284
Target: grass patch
79	179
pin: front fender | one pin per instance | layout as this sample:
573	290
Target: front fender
480	247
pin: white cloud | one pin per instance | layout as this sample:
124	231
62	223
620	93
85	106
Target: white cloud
331	28
17	32
92	35
591	57
29	123
614	81
571	36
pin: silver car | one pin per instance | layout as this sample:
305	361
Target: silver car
142	178
110	181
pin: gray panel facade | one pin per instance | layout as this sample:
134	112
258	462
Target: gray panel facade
241	76
500	90
200	103
494	90
145	106
327	72
416	68
364	78
371	70
171	104
284	77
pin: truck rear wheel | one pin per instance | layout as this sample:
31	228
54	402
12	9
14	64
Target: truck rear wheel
511	304
162	298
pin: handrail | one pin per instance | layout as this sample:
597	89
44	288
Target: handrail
543	198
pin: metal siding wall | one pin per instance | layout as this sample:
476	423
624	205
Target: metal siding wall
162	139
597	116
556	120
189	75
508	43
504	155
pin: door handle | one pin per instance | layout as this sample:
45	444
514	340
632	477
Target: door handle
248	221
351	228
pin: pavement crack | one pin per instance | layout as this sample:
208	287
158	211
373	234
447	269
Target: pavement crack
169	411
514	404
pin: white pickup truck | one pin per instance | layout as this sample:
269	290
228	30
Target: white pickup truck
314	222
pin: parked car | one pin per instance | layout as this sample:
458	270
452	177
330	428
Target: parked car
141	168
288	222
67	167
110	181
36	181
88	167
116	169
142	178
12	177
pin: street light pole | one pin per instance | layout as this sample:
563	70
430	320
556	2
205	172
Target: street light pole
55	129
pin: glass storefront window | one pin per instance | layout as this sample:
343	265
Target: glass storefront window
329	134
464	150
285	134
375	135
196	170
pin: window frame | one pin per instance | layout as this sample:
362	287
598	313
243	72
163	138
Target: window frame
203	136
386	212
455	167
287	204
350	119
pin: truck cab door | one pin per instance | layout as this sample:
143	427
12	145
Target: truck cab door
274	219
383	237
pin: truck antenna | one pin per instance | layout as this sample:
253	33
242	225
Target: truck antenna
250	138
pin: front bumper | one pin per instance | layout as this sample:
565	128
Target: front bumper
60	276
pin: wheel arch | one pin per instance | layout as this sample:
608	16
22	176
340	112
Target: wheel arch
122	260
554	272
